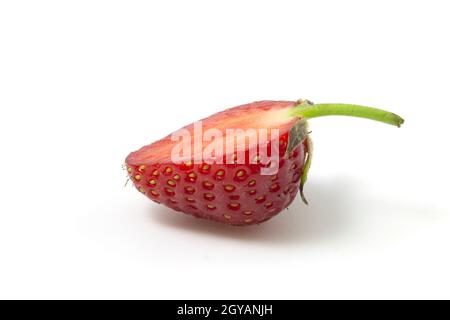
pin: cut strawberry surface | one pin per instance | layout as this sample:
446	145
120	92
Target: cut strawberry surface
242	185
258	115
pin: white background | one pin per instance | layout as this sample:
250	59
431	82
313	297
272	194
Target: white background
83	83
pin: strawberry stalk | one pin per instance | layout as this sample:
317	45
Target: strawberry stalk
307	110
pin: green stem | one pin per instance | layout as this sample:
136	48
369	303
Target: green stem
330	109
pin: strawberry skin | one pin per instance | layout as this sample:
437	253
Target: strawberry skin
235	194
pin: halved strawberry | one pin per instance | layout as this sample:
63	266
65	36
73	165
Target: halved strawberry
237	192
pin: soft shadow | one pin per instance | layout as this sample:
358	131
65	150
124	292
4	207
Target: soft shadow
323	219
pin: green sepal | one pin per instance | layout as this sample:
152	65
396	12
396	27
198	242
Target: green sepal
306	166
297	134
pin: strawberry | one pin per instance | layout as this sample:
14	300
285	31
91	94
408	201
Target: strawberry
257	187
